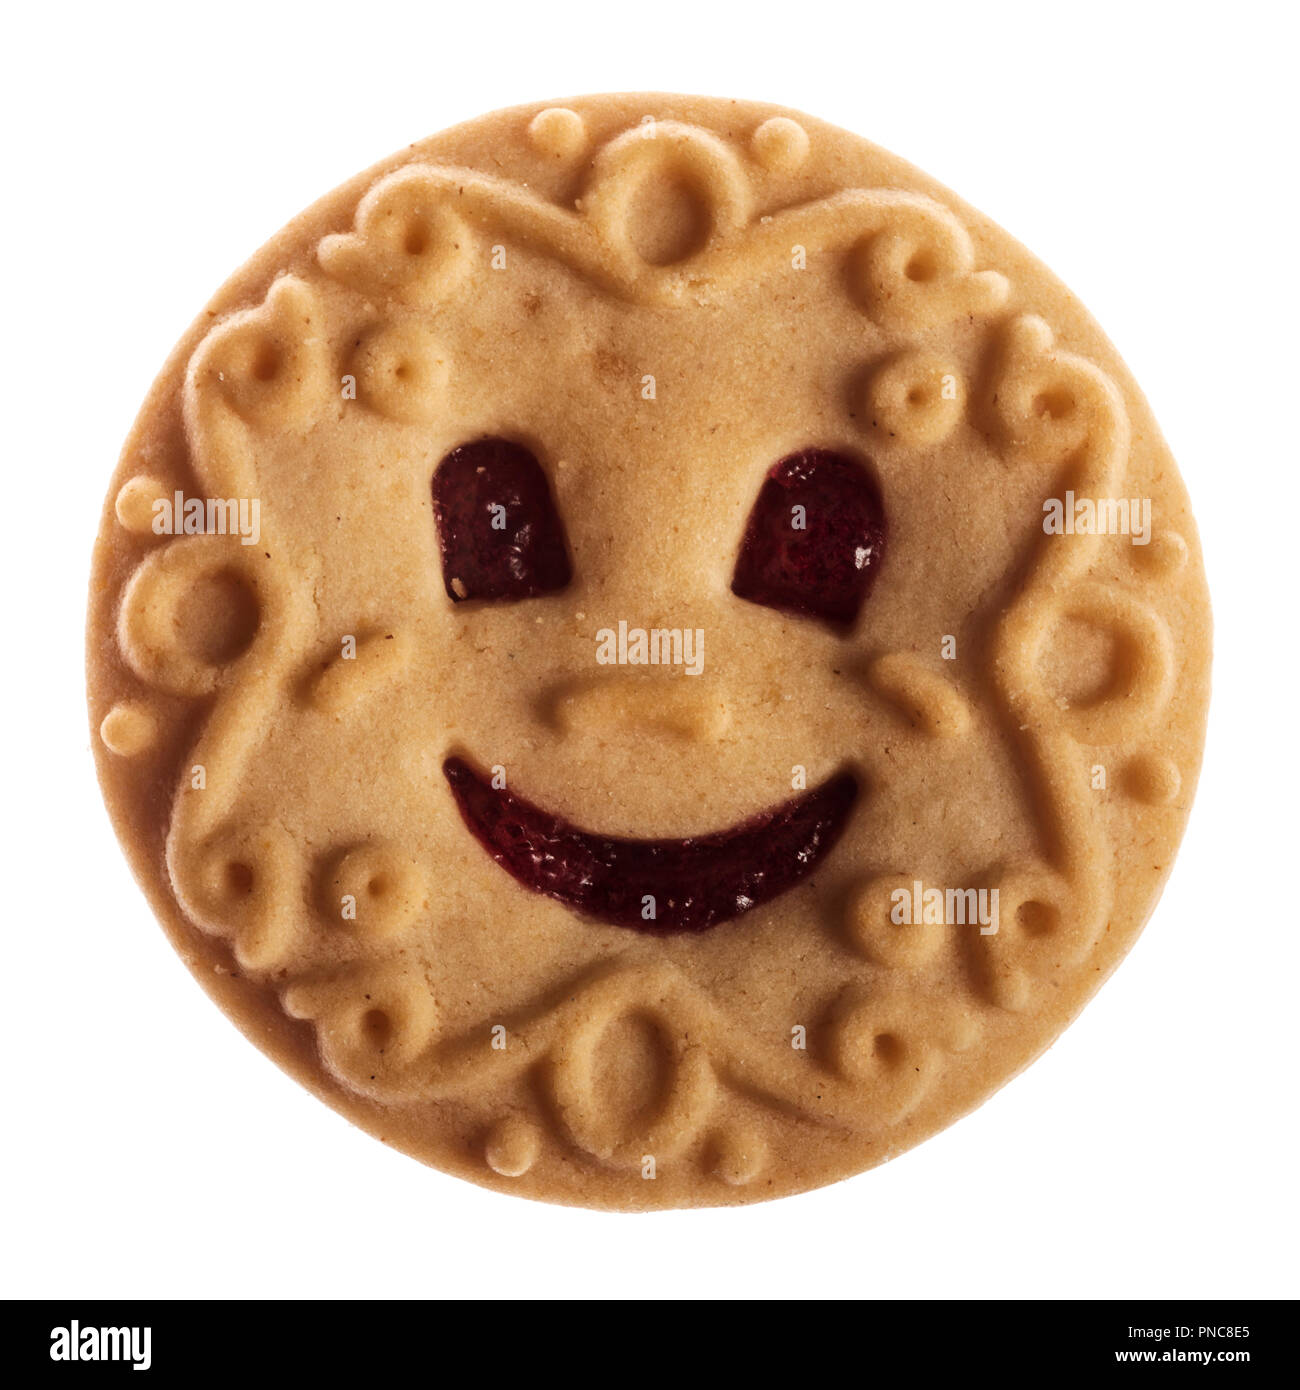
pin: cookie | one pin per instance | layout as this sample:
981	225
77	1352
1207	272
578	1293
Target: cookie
648	654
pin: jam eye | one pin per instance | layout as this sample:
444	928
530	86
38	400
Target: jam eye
815	538
498	529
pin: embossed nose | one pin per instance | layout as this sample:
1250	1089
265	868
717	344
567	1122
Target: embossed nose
636	702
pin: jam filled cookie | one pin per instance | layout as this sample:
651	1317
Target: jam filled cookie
647	653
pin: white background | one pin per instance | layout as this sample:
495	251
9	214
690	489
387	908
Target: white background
1144	152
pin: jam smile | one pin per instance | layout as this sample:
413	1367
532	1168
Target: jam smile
689	884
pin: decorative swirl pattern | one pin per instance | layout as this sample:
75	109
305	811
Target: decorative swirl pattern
622	1062
373	1027
409	245
917	398
925	698
401	372
1051	407
375	889
347	679
873	1060
910	261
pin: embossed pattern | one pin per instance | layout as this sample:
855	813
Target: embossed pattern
652	306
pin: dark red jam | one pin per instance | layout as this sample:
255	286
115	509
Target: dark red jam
693	883
500	534
815	538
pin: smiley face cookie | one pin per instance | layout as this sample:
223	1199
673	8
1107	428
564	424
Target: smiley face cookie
647	653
